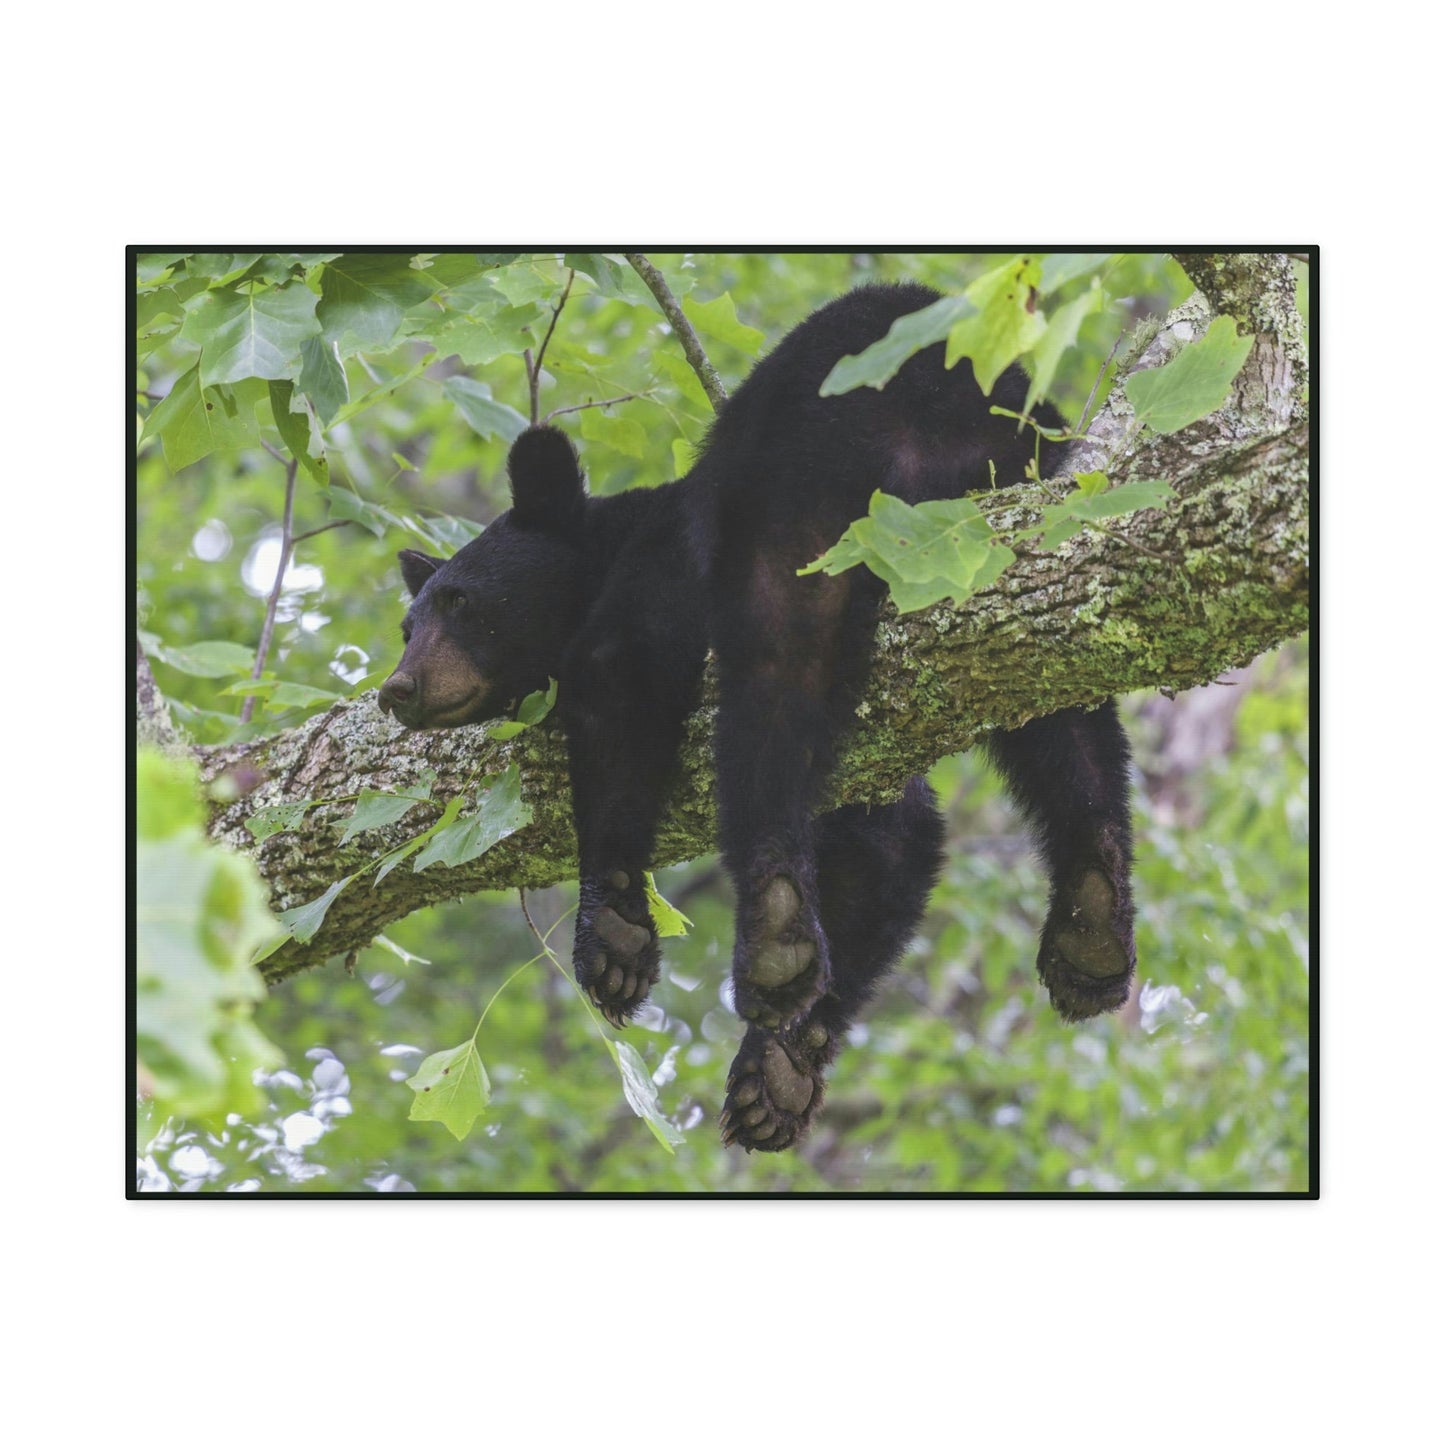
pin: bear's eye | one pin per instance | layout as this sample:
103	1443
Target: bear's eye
457	601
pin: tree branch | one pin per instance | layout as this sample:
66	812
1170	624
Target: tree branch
263	647
656	282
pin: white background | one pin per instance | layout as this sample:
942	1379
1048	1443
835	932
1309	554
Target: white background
901	126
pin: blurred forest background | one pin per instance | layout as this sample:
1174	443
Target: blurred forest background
959	1077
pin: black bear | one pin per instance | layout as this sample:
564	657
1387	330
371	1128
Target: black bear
620	598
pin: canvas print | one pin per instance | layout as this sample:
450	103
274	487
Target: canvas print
711	723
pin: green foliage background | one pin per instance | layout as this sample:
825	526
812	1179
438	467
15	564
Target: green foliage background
408	379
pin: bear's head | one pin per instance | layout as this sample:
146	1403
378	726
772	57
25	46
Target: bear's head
490	625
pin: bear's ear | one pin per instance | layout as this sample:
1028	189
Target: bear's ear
416	567
547	486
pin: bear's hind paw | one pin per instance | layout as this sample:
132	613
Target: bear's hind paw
781	968
774	1088
617	962
1086	955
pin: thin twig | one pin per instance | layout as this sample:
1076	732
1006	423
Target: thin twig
691	346
264	646
534	368
522	895
1128	542
586	405
556	312
1094	390
317	531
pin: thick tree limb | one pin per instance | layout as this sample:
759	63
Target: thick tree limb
1224	575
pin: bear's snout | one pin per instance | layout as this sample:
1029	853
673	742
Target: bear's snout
396	692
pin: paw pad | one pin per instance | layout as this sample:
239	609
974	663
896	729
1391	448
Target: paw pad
1087	954
780	968
616	959
774	1088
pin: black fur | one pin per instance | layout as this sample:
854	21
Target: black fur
620	599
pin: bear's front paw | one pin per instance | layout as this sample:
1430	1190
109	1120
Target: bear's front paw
775	1087
780	963
616	956
1086	955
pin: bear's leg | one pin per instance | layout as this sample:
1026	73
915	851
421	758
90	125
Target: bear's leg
790	652
876	867
623	709
1069	773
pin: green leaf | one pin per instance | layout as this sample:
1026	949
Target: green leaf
449	815
447	271
449	534
193	422
500	812
208	659
534	707
451	1088
153	267
523	282
1061	267
283	694
345	505
278	818
200	914
925	553
1058	526
255	332
878	364
613	279
280	266
684	378
1091	483
1008	322
1194	383
669	922
1120	501
364	297
323	378
641	1093
220	266
1059	335
1059	522
167	795
622	433
152	305
377	810
718	319
302	922
384	390
295	429
486	417
481	338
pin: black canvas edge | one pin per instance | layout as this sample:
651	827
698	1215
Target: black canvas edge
1311	255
